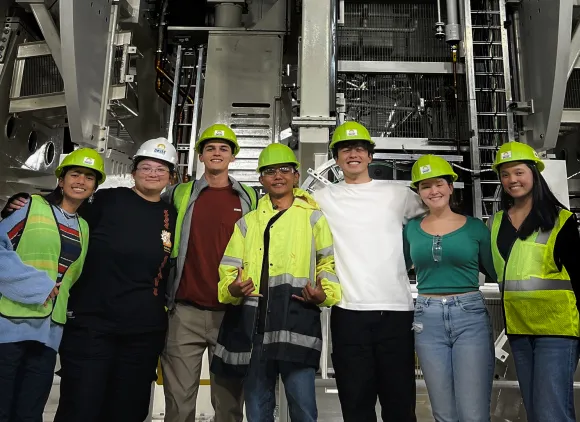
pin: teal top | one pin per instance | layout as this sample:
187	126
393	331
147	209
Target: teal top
450	263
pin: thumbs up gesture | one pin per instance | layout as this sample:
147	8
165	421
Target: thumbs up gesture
314	295
241	288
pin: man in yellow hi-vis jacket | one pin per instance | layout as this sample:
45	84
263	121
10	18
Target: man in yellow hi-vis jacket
278	269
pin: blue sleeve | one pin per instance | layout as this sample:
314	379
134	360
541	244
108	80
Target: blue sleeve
20	282
485	257
407	246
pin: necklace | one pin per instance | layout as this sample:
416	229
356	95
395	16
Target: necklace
67	217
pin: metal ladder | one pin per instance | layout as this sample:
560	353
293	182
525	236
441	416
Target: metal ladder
185	106
489	90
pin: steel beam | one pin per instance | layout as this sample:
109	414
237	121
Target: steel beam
546	55
574	50
316	67
47	27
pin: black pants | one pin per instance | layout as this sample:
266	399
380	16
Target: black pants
374	355
26	373
106	377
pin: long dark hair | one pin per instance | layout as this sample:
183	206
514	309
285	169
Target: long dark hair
545	206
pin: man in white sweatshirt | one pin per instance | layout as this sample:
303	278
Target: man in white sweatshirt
372	338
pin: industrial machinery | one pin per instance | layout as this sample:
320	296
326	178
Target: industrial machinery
456	78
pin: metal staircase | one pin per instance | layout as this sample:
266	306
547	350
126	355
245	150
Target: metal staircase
489	90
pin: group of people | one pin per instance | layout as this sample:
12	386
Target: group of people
114	279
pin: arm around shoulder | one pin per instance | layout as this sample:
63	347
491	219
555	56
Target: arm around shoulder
325	269
414	206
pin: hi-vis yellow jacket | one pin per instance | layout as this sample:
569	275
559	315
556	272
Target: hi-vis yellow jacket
300	251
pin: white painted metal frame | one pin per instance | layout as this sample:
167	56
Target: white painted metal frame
474	140
315	67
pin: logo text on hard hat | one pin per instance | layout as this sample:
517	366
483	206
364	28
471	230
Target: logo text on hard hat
219	133
89	161
352	132
425	169
159	149
506	155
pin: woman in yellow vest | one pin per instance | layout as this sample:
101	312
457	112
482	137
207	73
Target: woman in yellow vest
535	244
453	334
41	260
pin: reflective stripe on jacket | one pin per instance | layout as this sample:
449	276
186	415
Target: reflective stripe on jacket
300	251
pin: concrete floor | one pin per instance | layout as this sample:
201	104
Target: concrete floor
328	407
508	410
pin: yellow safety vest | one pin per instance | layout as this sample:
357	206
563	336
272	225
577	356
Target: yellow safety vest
537	296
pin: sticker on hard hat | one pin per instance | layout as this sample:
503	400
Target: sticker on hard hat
425	169
89	161
219	133
536	154
352	132
506	155
159	149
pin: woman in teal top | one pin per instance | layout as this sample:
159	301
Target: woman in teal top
453	334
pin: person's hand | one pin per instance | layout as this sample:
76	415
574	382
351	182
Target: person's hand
314	295
16	204
241	288
53	294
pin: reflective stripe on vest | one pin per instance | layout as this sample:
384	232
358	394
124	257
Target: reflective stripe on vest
538	297
39	247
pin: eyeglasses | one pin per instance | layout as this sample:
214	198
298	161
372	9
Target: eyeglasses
149	170
272	171
437	250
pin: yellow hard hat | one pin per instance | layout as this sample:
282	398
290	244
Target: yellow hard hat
218	131
430	166
276	154
350	131
516	151
84	157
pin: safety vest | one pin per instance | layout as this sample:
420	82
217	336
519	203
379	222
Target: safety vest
537	296
40	247
181	196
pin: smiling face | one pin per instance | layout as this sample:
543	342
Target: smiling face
435	193
353	159
517	179
151	175
78	184
216	155
279	180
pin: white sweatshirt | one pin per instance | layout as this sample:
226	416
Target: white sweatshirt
367	221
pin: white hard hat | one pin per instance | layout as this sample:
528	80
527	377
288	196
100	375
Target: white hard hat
159	148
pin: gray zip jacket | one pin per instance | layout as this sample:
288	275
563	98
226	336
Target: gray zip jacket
177	269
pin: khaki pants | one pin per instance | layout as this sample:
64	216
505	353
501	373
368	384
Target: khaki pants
191	331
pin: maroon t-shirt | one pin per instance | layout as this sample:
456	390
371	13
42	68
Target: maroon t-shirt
215	213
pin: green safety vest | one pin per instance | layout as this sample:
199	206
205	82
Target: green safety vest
537	297
40	247
181	196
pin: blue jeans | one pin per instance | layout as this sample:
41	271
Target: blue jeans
260	388
454	343
545	367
